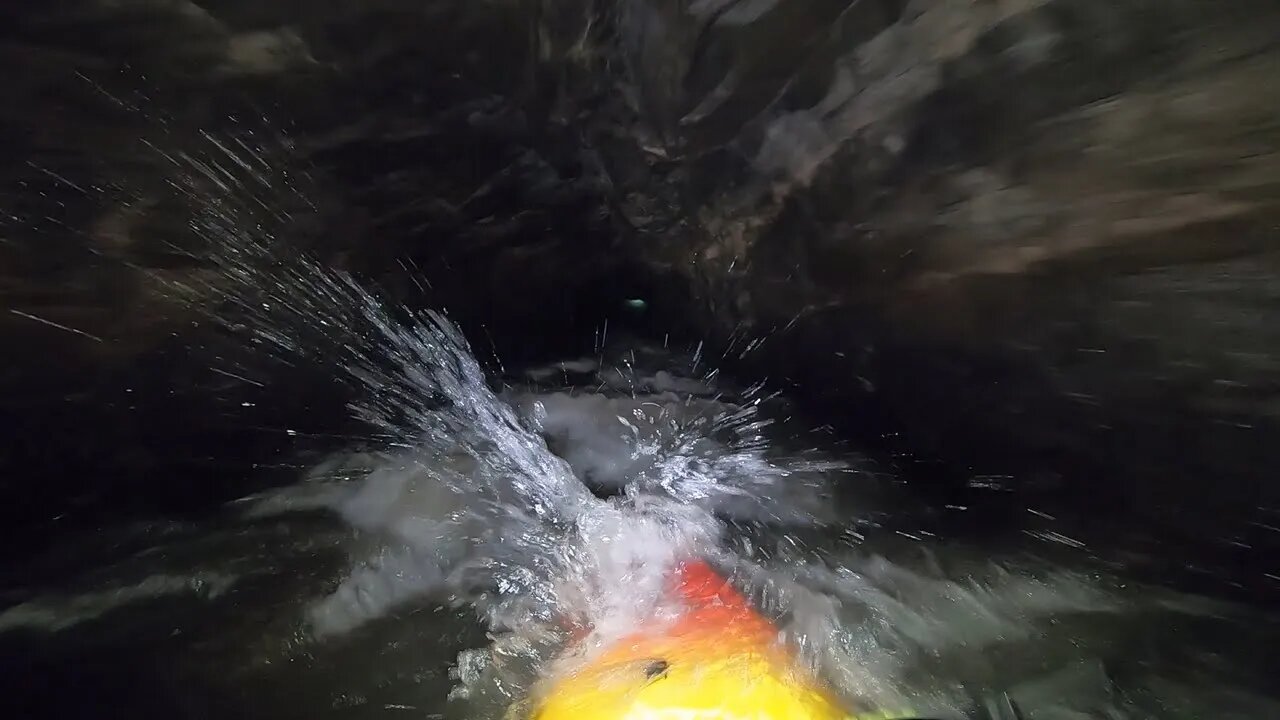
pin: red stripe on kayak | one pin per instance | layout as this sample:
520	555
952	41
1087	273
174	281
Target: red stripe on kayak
699	585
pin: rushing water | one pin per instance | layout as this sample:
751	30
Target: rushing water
430	569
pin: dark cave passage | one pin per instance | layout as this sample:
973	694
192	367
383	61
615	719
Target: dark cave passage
1017	257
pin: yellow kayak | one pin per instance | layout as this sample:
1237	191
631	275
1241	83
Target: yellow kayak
721	660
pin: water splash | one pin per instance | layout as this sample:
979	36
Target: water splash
463	494
491	500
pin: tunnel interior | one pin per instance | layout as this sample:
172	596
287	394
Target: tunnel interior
1025	245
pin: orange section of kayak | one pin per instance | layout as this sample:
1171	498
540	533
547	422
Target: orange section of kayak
719	659
718	620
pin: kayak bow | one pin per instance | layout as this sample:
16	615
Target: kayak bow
720	660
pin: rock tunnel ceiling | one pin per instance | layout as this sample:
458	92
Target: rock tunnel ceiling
1034	237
